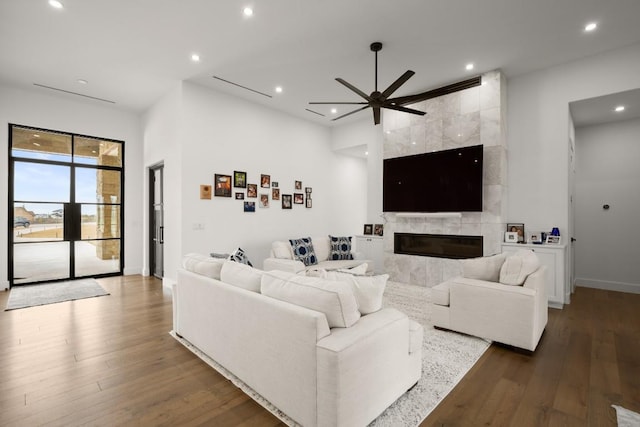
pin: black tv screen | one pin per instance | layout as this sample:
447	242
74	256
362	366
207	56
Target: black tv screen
442	181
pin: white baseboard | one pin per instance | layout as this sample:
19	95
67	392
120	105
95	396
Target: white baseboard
132	271
632	288
4	285
146	272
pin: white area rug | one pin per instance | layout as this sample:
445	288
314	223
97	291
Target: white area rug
627	418
446	358
49	293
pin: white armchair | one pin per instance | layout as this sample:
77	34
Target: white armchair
513	314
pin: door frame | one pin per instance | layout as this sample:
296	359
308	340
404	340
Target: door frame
152	232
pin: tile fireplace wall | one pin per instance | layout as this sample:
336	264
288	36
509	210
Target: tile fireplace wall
469	117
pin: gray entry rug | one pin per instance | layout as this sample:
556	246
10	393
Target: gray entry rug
446	358
626	417
50	293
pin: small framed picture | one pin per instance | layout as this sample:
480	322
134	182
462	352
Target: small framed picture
298	198
535	237
308	203
368	229
274	184
239	196
298	185
286	201
553	240
249	206
264	200
307	190
511	237
265	181
517	228
275	193
205	192
239	179
378	229
222	185
252	191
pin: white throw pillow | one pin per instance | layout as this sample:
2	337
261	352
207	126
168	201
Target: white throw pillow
483	268
518	266
358	271
203	265
322	247
282	250
241	275
368	290
335	300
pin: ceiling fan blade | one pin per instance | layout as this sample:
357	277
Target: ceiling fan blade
399	82
353	88
454	87
339	103
350	113
376	115
403	109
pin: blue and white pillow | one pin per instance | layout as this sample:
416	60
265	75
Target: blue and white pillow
239	256
340	248
303	250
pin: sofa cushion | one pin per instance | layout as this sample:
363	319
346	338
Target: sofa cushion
303	250
282	250
203	265
241	275
440	294
368	290
335	300
340	248
239	256
518	266
483	268
342	264
322	247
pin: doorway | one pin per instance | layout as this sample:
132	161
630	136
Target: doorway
65	206
156	220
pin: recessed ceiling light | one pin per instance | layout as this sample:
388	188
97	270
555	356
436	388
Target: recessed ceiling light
413	143
366	153
469	66
619	108
82	81
279	89
334	110
590	26
195	57
388	132
247	11
56	4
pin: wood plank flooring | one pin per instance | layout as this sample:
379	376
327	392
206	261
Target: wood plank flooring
110	361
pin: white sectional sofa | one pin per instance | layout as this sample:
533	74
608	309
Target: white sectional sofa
500	298
317	373
282	258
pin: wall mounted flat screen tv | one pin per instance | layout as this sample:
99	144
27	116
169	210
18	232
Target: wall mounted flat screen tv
442	181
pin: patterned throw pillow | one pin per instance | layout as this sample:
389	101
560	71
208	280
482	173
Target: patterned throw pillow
340	248
239	256
303	250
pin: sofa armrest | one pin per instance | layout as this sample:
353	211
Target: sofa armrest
365	368
290	265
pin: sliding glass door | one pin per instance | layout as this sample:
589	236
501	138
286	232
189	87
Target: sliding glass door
66	207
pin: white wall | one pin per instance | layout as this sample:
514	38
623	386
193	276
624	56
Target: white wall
607	172
70	114
218	133
538	129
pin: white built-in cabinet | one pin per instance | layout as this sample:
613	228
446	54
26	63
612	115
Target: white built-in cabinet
554	257
371	247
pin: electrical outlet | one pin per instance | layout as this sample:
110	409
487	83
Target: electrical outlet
198	226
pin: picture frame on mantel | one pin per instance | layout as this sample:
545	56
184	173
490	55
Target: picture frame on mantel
368	229
517	228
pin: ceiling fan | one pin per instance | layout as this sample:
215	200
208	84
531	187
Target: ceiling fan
378	100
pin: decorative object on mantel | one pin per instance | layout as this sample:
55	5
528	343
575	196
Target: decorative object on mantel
511	237
535	237
222	185
239	179
252	191
286	201
555	231
553	240
517	228
378	229
368	229
205	192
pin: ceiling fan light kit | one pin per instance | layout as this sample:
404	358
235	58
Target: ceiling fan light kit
377	100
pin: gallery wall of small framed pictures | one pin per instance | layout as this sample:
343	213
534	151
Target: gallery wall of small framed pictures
238	187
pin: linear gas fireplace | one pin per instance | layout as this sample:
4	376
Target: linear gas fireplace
438	245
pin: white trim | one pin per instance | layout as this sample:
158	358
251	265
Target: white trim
131	271
633	288
429	214
167	283
4	285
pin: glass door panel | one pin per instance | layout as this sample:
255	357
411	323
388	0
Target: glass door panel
39	144
38	222
97	185
92	151
36	262
97	257
38	182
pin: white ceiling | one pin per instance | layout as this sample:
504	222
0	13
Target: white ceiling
131	52
596	111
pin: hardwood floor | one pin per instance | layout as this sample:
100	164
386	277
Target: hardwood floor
110	361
